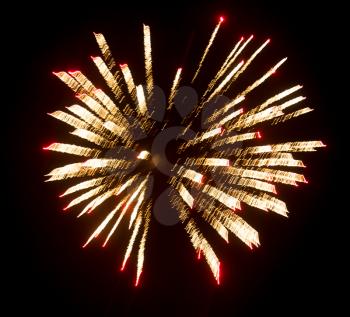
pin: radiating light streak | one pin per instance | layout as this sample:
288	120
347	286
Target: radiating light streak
148	59
86	115
235	138
219	73
94	105
136	208
211	40
106	52
68	80
292	115
226	80
185	194
103	224
73	149
141	253
84	185
69	119
132	240
141	101
263	78
222	197
249	61
190	174
108	77
174	88
129	81
121	215
93	138
199	242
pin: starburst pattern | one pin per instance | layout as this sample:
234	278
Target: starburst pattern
244	175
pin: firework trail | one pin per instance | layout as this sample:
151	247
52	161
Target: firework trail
248	175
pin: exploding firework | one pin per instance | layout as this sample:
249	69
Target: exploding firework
214	184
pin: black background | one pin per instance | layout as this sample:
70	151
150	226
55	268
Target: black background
298	268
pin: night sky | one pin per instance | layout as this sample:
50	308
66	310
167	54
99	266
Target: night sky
296	270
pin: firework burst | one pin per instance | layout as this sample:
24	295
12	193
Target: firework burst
215	183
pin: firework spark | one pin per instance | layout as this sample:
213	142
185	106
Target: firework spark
248	174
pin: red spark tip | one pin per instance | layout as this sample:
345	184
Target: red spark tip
93	57
242	38
72	72
122	269
222	19
252	36
65	208
48	147
61	195
180	69
241	110
268	40
55	73
258	135
123	65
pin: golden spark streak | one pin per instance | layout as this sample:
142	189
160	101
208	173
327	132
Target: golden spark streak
85	196
83	185
186	196
133	197
268	175
141	253
136	208
234	139
208	161
211	40
263	78
256	118
73	149
253	183
69	81
88	168
93	138
69	119
86	115
114	228
174	88
106	52
199	242
148	58
190	174
216	224
103	224
108	77
204	136
141	101
269	162
93	204
132	240
240	228
249	61
93	105
115	129
233	59
219	73
292	115
129	81
226	80
222	197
